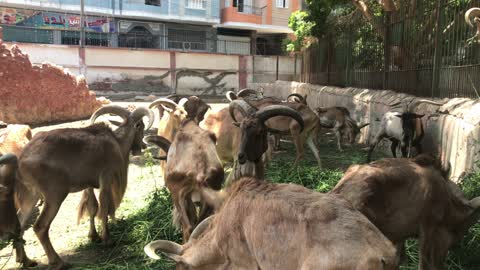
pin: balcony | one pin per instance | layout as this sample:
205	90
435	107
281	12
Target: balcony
246	9
242	13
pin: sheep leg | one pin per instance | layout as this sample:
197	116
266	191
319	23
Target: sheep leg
374	143
21	256
276	143
404	151
92	206
299	139
393	148
419	148
106	205
50	209
338	134
314	147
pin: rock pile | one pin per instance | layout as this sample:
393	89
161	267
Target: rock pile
39	94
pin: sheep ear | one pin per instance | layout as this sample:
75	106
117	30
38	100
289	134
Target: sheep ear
419	115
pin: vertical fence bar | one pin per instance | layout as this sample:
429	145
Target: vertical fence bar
295	68
329	56
253	68
437	58
386	50
348	65
278	60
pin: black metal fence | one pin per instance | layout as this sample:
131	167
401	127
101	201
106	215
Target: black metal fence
426	50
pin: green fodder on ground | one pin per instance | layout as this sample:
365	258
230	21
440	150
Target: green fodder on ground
150	223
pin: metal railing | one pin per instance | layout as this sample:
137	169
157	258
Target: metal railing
428	52
247	9
124	40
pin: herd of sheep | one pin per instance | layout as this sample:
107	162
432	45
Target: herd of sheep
239	221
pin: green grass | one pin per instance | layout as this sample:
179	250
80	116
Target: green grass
153	219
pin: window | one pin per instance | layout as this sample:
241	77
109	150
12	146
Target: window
197	4
152	2
282	3
187	40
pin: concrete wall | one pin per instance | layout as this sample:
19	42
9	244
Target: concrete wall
66	56
452	131
160	72
266	68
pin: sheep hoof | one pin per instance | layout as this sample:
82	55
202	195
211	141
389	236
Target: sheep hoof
27	263
94	238
108	242
61	266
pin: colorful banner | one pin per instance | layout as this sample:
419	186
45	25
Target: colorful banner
55	20
12	16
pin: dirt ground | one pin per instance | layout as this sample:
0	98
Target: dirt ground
66	235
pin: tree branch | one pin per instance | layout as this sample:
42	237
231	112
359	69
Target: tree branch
388	5
363	8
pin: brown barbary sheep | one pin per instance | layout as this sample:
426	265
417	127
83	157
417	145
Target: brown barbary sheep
192	161
13	138
252	137
10	228
62	161
339	119
221	123
472	17
262	225
411	198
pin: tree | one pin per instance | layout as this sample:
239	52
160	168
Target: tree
302	28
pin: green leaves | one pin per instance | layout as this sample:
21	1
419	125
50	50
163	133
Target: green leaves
302	28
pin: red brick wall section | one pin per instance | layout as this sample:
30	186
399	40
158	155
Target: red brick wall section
33	95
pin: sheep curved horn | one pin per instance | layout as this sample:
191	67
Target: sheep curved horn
111	109
182	102
164	102
140	112
174	97
231	96
158	141
246	92
8	159
471	14
280	110
430	102
300	97
167	247
201	228
244	107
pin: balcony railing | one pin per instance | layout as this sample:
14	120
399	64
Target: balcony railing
249	10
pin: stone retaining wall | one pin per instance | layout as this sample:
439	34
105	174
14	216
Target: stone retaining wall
452	130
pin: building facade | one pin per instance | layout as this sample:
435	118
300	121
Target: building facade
262	22
220	26
160	24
